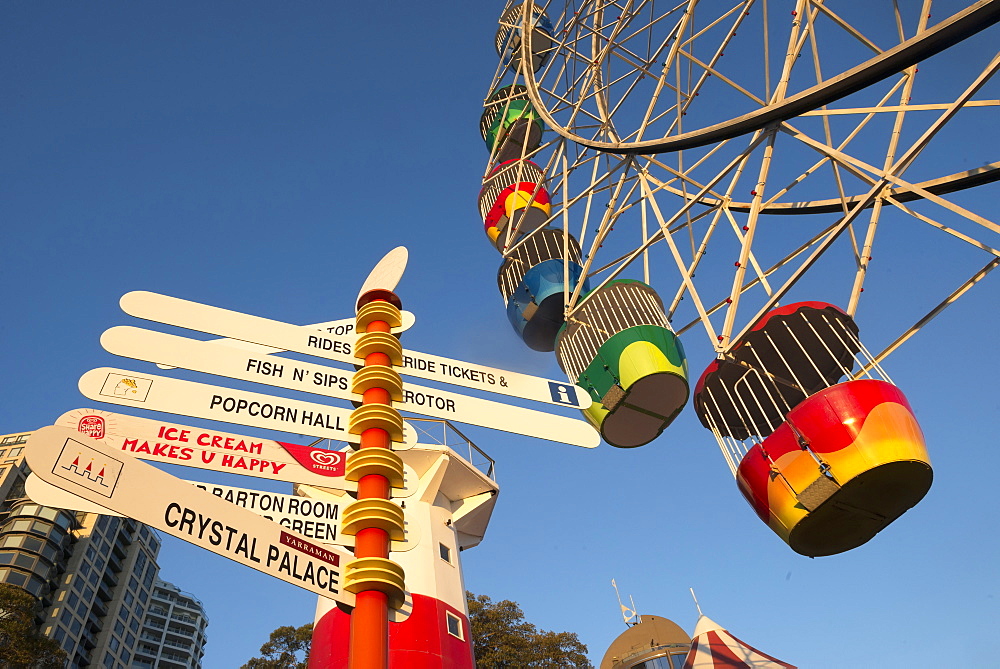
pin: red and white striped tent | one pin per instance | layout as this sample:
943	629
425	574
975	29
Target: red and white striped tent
715	648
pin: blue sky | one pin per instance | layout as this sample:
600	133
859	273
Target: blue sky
262	157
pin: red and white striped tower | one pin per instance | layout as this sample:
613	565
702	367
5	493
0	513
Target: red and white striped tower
448	503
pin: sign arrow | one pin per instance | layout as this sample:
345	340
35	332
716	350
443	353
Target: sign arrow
95	471
212	450
226	323
233	363
228	405
343	327
316	519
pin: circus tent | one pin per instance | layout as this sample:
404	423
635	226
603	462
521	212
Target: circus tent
713	647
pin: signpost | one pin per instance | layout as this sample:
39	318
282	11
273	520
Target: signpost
214	320
212	450
99	473
210	358
91	459
200	400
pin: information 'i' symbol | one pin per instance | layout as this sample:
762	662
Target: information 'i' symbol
560	393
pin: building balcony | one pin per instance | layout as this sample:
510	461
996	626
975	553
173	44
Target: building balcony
110	579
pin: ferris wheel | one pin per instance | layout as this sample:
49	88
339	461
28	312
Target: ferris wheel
660	170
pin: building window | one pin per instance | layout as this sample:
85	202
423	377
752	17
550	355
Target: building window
445	553
454	625
16	578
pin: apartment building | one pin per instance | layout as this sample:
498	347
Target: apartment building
173	633
96	576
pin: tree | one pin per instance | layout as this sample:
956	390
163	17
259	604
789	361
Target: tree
503	639
282	650
22	646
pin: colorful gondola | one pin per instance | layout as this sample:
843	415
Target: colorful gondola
827	463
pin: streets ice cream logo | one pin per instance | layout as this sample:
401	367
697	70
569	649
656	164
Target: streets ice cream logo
325	459
88	467
317	460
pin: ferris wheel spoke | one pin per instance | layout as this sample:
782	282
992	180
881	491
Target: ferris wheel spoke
818	251
679	175
850	29
710	70
751	257
891	175
903	191
686	274
931	315
979	244
746	241
864	257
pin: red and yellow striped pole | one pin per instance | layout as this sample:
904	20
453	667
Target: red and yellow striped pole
373	519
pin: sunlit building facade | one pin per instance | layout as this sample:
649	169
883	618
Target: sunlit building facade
652	643
173	633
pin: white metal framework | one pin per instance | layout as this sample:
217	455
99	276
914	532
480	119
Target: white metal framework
741	154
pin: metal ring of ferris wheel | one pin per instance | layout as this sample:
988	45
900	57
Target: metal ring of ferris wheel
961	25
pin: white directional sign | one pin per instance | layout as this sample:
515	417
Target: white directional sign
214	320
339	328
313	518
316	518
200	400
99	473
213	450
234	363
